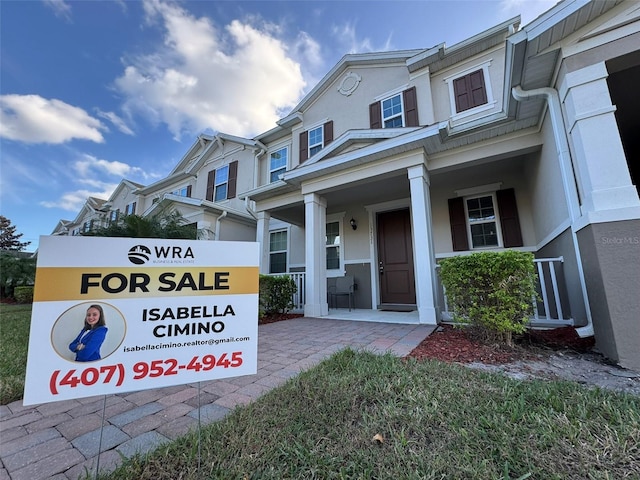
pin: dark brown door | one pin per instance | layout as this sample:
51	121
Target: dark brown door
395	258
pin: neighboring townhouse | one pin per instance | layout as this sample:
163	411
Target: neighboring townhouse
123	201
90	217
204	188
514	138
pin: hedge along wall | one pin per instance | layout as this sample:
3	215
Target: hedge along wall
491	290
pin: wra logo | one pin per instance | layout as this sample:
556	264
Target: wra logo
141	254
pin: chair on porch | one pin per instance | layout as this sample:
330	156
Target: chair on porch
344	287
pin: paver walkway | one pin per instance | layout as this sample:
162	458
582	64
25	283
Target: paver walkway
60	440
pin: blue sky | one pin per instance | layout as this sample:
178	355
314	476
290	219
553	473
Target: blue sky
95	91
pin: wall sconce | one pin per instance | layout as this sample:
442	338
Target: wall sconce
353	223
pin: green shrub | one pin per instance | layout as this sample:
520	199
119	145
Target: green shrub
276	294
491	290
23	294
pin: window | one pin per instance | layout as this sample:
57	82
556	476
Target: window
130	209
483	228
278	252
485	219
470	90
76	231
333	245
392	112
183	192
87	226
315	139
220	186
395	110
113	216
278	163
221	182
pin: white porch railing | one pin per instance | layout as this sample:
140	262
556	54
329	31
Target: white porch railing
548	311
298	297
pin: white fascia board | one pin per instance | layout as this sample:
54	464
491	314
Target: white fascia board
164	182
364	134
332	164
550	18
351	60
239	140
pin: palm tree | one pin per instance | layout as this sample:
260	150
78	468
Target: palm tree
172	225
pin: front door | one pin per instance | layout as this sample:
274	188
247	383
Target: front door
395	258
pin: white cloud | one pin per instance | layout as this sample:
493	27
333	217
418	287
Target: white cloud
33	119
73	201
61	8
237	80
88	166
528	10
306	47
118	122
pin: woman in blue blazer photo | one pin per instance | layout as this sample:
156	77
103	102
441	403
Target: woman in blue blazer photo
88	342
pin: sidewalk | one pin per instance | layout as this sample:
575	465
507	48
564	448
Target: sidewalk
60	440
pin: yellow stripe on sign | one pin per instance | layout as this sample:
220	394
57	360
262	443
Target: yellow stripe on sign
87	283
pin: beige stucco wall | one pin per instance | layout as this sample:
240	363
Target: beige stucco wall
548	204
443	188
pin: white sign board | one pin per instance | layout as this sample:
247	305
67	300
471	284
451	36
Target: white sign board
113	315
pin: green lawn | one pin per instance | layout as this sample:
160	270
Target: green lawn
437	421
14	341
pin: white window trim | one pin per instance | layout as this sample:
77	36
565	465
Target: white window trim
336	217
401	114
491	102
274	150
392	93
287	251
494	199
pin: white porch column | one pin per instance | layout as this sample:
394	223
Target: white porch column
262	237
424	257
602	170
315	218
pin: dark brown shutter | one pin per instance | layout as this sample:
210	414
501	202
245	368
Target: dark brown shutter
375	115
458	221
470	91
233	177
304	146
478	91
410	107
328	132
211	184
189	191
133	208
511	233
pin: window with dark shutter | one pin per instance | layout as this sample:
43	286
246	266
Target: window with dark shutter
470	91
211	185
188	191
233	176
458	220
508	210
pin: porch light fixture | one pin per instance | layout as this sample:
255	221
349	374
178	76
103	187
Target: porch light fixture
353	223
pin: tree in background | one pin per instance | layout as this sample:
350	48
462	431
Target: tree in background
9	239
172	225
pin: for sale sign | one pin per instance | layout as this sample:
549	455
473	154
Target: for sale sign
113	315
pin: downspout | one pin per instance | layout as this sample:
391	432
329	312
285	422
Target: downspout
568	181
218	221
